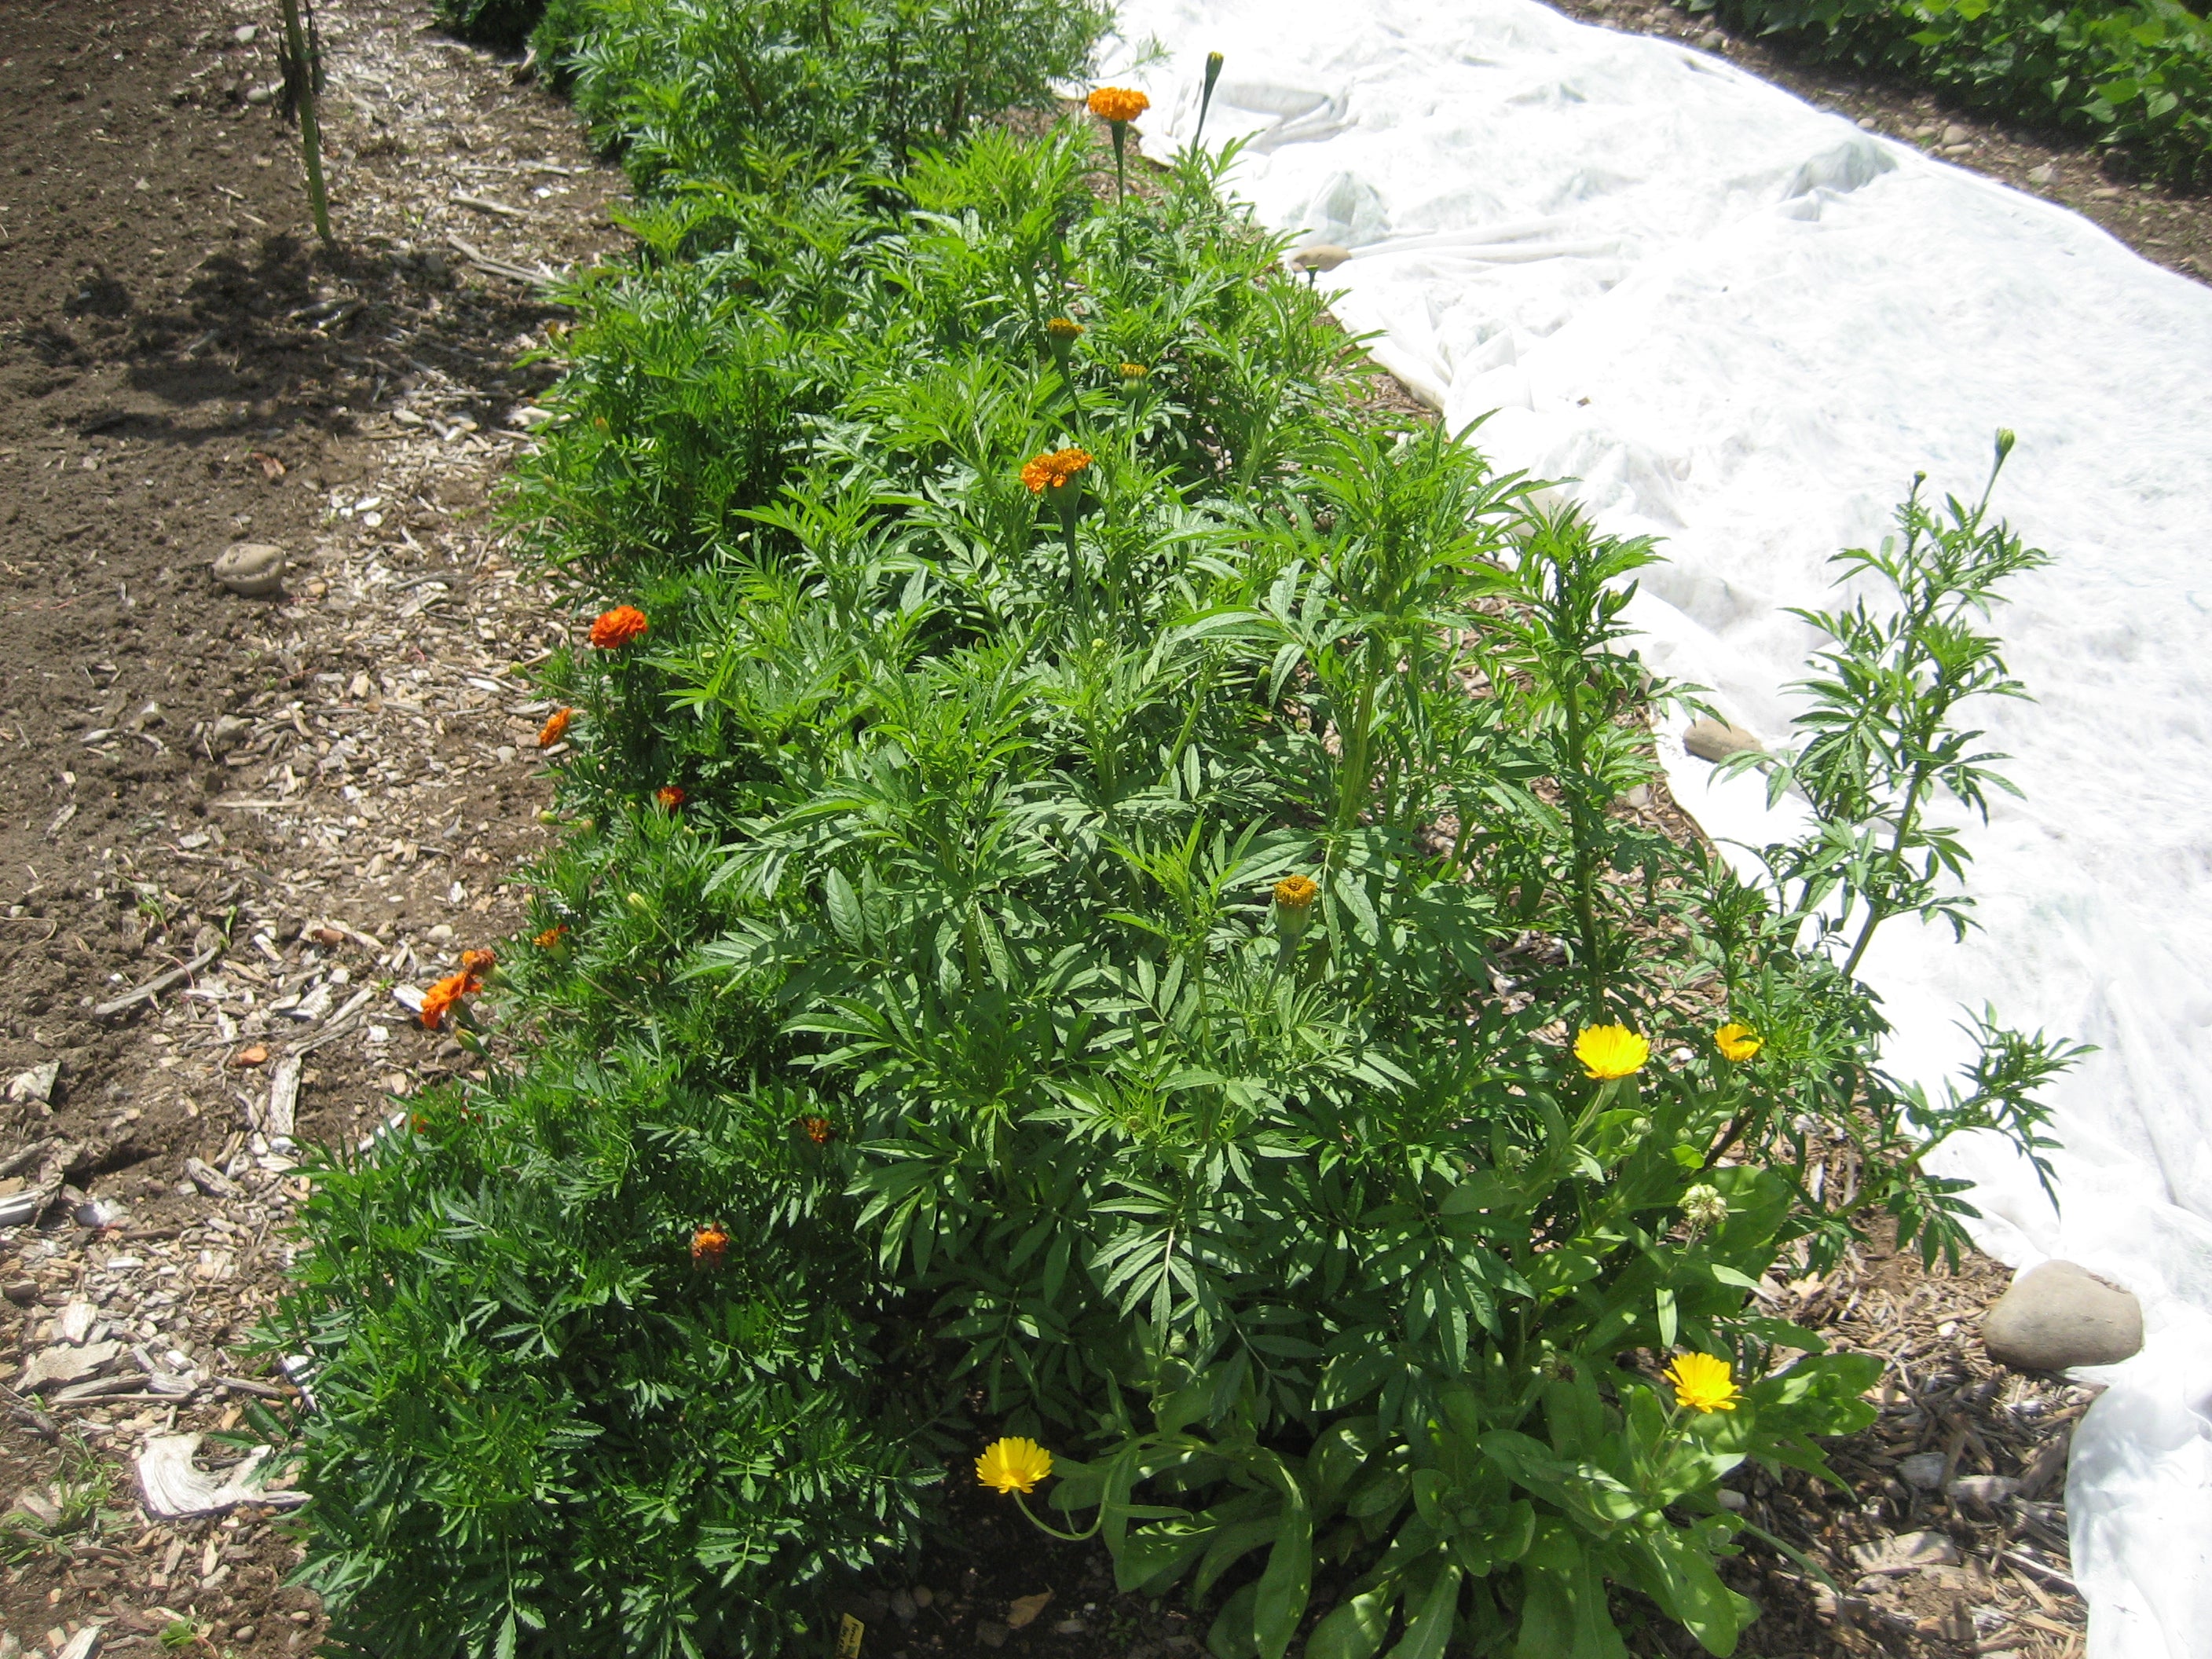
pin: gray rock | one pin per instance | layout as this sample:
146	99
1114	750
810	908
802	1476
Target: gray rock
1712	40
2057	1316
228	732
1716	740
253	570
1922	1469
2044	175
1955	134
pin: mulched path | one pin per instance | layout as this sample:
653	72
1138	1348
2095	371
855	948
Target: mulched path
327	791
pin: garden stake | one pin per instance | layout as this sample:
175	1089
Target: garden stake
301	60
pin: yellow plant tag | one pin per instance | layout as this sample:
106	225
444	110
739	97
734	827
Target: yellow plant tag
848	1637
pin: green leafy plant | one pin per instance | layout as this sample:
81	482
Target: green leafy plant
2135	77
1149	962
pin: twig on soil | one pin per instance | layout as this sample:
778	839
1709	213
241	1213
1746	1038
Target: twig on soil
154	987
29	1415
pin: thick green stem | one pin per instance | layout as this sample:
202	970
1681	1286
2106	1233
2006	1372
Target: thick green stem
310	137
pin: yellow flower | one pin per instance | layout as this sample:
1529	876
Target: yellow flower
1295	892
1738	1043
1013	1465
1134	371
1611	1051
1118	103
1065	328
1702	1382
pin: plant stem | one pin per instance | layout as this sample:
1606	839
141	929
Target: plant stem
1577	784
310	137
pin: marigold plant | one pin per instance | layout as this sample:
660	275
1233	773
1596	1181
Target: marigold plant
1118	103
1054	469
617	628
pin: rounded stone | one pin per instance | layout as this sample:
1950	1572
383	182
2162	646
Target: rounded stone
2058	1315
1716	740
253	570
1319	256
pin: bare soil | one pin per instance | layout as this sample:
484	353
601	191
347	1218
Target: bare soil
327	793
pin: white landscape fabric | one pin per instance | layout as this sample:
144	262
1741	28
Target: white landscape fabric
1743	325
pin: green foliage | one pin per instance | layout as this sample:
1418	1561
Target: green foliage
685	88
2135	77
968	993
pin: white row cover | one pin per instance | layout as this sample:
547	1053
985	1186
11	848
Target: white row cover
1743	325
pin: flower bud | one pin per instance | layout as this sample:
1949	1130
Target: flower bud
1294	902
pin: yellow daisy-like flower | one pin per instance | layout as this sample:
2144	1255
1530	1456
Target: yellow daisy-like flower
1065	328
1118	103
1702	1382
1134	371
1297	892
1738	1043
1013	1464
1608	1052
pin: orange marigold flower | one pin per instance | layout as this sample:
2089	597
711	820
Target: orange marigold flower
443	995
1065	328
475	962
819	1130
1119	104
551	936
555	727
708	1246
618	626
670	795
1053	471
420	1124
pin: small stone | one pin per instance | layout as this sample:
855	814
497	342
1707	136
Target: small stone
1318	256
903	1607
1868	124
253	570
76	1320
1922	1469
246	34
228	732
21	1291
923	1595
1955	134
1984	1490
2058	1315
1069	1627
2044	175
992	1634
1716	740
259	95
1712	41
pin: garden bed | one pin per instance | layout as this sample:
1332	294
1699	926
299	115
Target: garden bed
506	618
